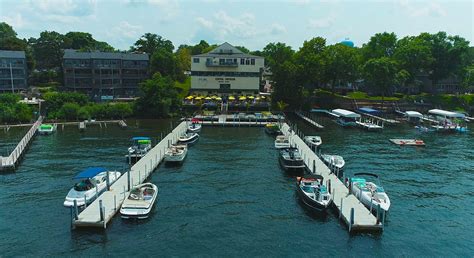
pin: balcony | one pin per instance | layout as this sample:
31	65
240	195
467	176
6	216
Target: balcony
221	64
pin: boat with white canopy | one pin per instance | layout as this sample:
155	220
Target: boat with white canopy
345	118
448	121
413	117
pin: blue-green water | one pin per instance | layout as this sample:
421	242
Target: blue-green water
230	198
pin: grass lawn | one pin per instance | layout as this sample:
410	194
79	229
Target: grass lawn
184	86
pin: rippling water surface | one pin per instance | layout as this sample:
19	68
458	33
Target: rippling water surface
230	198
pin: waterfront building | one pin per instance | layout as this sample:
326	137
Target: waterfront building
13	71
104	75
226	71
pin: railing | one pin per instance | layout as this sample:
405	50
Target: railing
226	64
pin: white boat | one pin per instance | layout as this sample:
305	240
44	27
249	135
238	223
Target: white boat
140	147
188	138
408	142
313	192
448	121
139	202
194	126
334	160
46	129
369	126
369	193
176	153
345	118
413	117
282	142
313	141
93	181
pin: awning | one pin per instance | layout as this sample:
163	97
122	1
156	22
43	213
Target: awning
413	114
345	113
140	138
90	172
440	112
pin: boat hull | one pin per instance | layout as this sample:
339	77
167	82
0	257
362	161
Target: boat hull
310	203
292	165
189	141
195	128
130	212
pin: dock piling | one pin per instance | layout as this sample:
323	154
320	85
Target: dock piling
76	212
128	179
340	209
101	211
85	202
314	166
107	179
115	202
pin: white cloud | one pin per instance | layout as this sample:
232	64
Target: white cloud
15	20
240	27
65	7
204	22
300	2
167	9
277	28
417	9
125	30
321	23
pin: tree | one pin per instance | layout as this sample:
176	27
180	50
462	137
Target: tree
159	97
309	59
163	62
69	111
183	62
199	48
380	45
149	43
414	56
48	50
9	41
243	49
448	52
340	64
381	73
6	31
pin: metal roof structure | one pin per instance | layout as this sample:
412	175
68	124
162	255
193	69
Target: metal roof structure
345	113
74	54
226	50
413	114
12	54
440	112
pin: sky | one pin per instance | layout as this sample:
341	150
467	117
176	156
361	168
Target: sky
249	23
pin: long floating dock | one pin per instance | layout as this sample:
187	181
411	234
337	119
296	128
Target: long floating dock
309	120
10	162
230	120
351	211
103	209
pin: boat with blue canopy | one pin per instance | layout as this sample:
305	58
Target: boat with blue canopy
91	182
141	145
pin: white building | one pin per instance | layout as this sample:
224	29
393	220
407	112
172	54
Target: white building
226	70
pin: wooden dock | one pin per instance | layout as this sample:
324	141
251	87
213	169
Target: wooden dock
309	120
103	209
351	211
385	120
11	162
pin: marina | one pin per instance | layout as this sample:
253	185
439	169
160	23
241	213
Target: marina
308	119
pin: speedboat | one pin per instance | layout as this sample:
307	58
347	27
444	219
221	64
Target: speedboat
140	147
290	159
282	142
46	129
195	126
188	138
313	142
176	153
312	192
369	193
140	201
92	182
272	129
334	160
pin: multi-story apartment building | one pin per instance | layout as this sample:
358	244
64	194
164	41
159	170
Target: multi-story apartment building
13	71
104	75
226	70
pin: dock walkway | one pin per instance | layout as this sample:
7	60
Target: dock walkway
103	209
309	120
10	162
344	202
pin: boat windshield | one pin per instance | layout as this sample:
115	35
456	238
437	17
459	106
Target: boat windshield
84	185
380	189
135	194
308	189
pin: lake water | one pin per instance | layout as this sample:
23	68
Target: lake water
230	198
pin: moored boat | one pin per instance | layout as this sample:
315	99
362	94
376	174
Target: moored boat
313	192
272	129
139	202
194	126
313	141
345	118
176	153
408	142
188	138
140	147
46	129
334	160
369	193
282	142
290	159
92	182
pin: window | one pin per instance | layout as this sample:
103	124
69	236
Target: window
252	61
247	62
242	61
195	60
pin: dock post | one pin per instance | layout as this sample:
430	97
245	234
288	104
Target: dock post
351	222
76	212
107	179
350	185
329	185
378	213
115	202
314	166
340	209
101	211
383	218
128	180
139	175
371	203
85	202
123	192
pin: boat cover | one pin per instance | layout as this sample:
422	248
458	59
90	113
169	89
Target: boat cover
144	141
140	138
368	110
45	126
345	113
89	173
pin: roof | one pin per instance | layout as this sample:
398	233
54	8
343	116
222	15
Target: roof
369	110
226	49
413	114
345	113
90	172
140	138
12	54
73	54
441	112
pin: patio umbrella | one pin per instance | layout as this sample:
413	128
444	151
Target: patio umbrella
218	98
263	97
231	98
207	98
214	97
242	98
250	97
189	97
198	98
